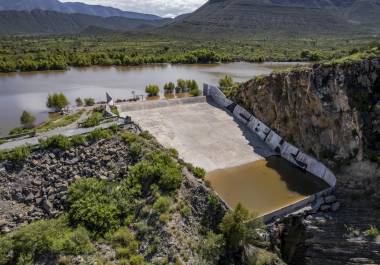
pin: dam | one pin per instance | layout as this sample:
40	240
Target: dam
240	165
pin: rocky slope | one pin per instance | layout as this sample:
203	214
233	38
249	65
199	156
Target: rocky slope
333	112
268	17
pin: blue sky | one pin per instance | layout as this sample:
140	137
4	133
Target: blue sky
166	8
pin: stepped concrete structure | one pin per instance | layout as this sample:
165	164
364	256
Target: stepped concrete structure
215	133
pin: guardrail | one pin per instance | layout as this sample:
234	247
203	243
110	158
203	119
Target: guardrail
286	150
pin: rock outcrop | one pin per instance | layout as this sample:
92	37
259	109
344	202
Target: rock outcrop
332	112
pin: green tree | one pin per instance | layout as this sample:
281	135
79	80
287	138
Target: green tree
169	88
181	86
152	90
27	119
57	101
237	232
79	102
89	102
226	82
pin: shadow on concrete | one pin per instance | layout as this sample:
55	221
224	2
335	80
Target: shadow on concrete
258	146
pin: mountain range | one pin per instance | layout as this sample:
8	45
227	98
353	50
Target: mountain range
215	18
281	16
38	22
72	7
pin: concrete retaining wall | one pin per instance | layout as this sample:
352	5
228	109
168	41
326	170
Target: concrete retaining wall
141	105
288	151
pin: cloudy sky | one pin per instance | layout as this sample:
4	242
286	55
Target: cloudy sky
166	8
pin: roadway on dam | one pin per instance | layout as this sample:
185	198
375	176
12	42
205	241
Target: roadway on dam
239	165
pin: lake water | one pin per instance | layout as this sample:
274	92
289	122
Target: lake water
264	186
28	91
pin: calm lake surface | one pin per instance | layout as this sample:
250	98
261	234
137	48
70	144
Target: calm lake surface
264	186
28	91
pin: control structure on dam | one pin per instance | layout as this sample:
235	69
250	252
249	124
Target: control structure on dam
215	133
287	151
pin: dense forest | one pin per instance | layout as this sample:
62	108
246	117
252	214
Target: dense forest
59	53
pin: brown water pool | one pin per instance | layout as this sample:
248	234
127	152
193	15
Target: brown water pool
264	186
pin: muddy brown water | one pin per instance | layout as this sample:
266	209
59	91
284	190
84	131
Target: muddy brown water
264	186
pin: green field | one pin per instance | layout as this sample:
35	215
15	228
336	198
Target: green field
59	53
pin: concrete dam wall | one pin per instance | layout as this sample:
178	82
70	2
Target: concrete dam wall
286	150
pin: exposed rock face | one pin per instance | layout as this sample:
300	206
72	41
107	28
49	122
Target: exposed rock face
332	112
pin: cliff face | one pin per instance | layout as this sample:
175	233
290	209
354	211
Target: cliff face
332	112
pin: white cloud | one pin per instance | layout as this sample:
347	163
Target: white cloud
166	8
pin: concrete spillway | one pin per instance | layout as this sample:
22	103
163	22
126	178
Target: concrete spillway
240	165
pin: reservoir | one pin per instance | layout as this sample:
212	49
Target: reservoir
28	91
264	186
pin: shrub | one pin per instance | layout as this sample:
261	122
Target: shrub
17	131
152	90
93	120
162	204
98	134
157	168
79	102
77	140
27	119
89	102
169	88
57	141
194	88
92	203
199	172
57	101
43	238
236	231
181	85
19	154
211	248
372	232
226	82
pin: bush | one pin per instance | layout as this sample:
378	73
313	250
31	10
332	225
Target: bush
43	238
199	172
194	88
89	102
79	102
181	85
157	168
162	204
169	88
94	120
372	232
236	231
77	140
27	119
57	101
98	134
92	203
212	248
19	154
226	82
115	111
57	141
152	90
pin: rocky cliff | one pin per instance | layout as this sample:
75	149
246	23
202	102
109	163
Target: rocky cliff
330	111
333	112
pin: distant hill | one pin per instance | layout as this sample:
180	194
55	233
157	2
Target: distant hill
295	17
51	22
72	7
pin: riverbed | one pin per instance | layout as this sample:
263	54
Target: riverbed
28	91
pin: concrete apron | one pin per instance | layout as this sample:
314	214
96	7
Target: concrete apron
208	135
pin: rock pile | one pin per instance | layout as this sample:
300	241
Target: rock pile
39	188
